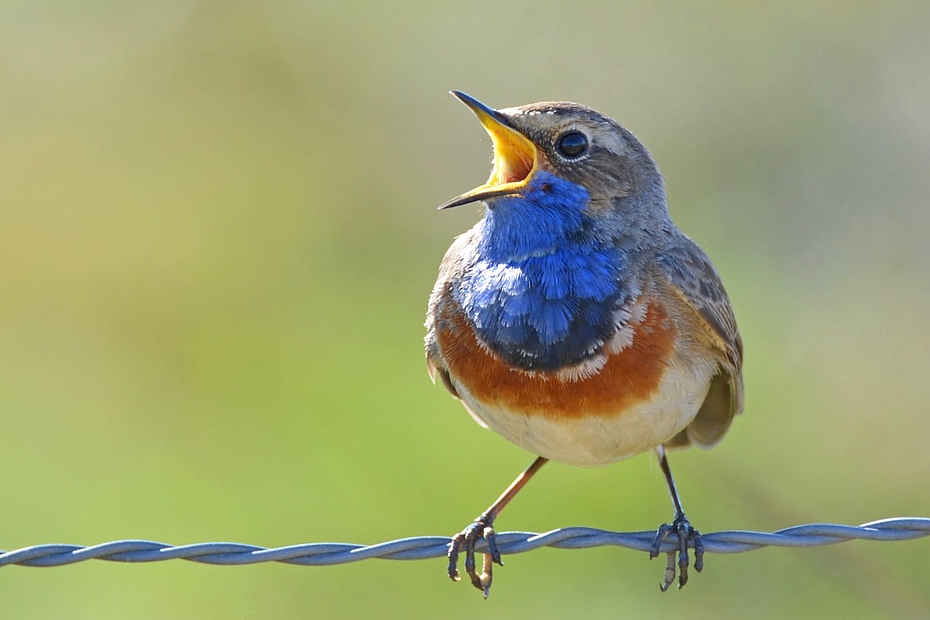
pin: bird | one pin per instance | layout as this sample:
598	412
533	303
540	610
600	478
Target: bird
575	319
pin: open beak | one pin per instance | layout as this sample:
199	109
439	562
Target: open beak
515	156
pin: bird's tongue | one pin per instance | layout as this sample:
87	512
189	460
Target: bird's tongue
513	169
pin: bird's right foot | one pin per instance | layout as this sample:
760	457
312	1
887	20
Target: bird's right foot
465	540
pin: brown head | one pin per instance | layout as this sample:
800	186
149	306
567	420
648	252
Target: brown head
575	143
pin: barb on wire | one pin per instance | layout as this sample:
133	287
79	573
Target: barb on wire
423	547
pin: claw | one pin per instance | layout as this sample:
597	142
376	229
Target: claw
466	540
669	572
486	575
494	554
453	555
686	535
661	534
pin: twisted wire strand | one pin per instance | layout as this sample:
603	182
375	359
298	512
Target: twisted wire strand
424	547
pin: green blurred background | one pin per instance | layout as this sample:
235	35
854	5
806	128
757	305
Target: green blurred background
218	237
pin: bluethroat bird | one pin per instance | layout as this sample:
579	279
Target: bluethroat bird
575	319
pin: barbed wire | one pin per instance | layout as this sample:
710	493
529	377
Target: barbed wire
425	547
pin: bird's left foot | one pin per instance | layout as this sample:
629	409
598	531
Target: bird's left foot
466	539
687	536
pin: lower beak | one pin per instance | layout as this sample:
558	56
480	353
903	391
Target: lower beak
515	156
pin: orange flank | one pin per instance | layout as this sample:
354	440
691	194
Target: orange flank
628	377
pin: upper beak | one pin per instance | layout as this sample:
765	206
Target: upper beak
515	156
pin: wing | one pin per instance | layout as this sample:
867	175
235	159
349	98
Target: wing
453	263
451	266
693	278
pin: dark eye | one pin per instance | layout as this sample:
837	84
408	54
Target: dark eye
572	144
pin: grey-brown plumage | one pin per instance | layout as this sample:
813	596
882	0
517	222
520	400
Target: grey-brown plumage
692	276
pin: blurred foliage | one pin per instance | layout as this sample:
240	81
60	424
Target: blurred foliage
217	242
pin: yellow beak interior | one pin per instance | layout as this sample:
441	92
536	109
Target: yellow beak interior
515	157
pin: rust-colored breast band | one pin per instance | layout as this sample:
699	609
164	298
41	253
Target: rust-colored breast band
629	377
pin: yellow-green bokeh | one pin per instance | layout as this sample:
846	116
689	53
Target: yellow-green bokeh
217	237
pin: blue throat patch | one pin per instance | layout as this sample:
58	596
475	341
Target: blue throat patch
542	291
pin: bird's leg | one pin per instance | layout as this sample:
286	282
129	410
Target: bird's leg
683	530
483	527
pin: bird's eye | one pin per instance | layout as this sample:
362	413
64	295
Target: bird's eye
572	144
